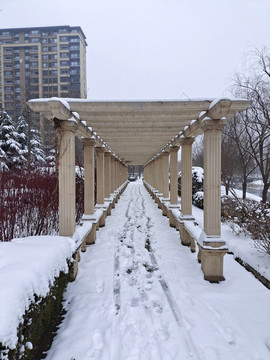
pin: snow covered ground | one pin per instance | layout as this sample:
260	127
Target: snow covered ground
140	295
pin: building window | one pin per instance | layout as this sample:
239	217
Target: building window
74	39
64	47
64	63
63	38
74	56
45	48
64	55
64	78
75	63
74	48
75	72
34	81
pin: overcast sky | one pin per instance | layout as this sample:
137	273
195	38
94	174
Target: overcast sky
154	49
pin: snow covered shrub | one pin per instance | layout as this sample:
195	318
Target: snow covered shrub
197	186
248	217
39	323
197	199
12	153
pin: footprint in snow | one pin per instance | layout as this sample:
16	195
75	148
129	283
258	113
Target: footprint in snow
163	333
97	341
100	286
135	302
134	354
157	308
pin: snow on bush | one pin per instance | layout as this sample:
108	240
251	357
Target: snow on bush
197	186
249	217
197	199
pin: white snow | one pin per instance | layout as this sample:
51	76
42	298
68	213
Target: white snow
28	266
199	172
140	295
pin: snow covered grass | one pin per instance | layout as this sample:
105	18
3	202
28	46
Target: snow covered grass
140	295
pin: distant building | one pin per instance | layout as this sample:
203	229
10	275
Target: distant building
41	62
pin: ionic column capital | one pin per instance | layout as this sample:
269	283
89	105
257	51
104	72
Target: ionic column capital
174	149
187	141
65	125
210	124
88	142
100	149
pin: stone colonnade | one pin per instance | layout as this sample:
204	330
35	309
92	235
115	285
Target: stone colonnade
157	178
103	183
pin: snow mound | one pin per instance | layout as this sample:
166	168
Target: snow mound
28	267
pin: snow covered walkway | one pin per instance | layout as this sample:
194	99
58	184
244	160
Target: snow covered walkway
140	295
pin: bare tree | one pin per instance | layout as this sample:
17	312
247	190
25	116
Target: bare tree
235	130
256	119
229	160
197	152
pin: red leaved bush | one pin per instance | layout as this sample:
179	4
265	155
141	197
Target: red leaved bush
28	204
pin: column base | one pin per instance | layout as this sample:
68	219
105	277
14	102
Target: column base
91	237
210	256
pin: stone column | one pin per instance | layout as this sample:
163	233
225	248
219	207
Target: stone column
155	173
186	177
165	160
100	183
160	175
67	189
113	186
112	175
89	176
211	248
173	185
89	187
116	173
107	174
212	176
174	175
100	175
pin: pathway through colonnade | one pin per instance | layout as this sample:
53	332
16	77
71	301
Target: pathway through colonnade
140	295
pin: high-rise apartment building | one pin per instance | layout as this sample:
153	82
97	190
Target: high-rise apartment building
41	62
